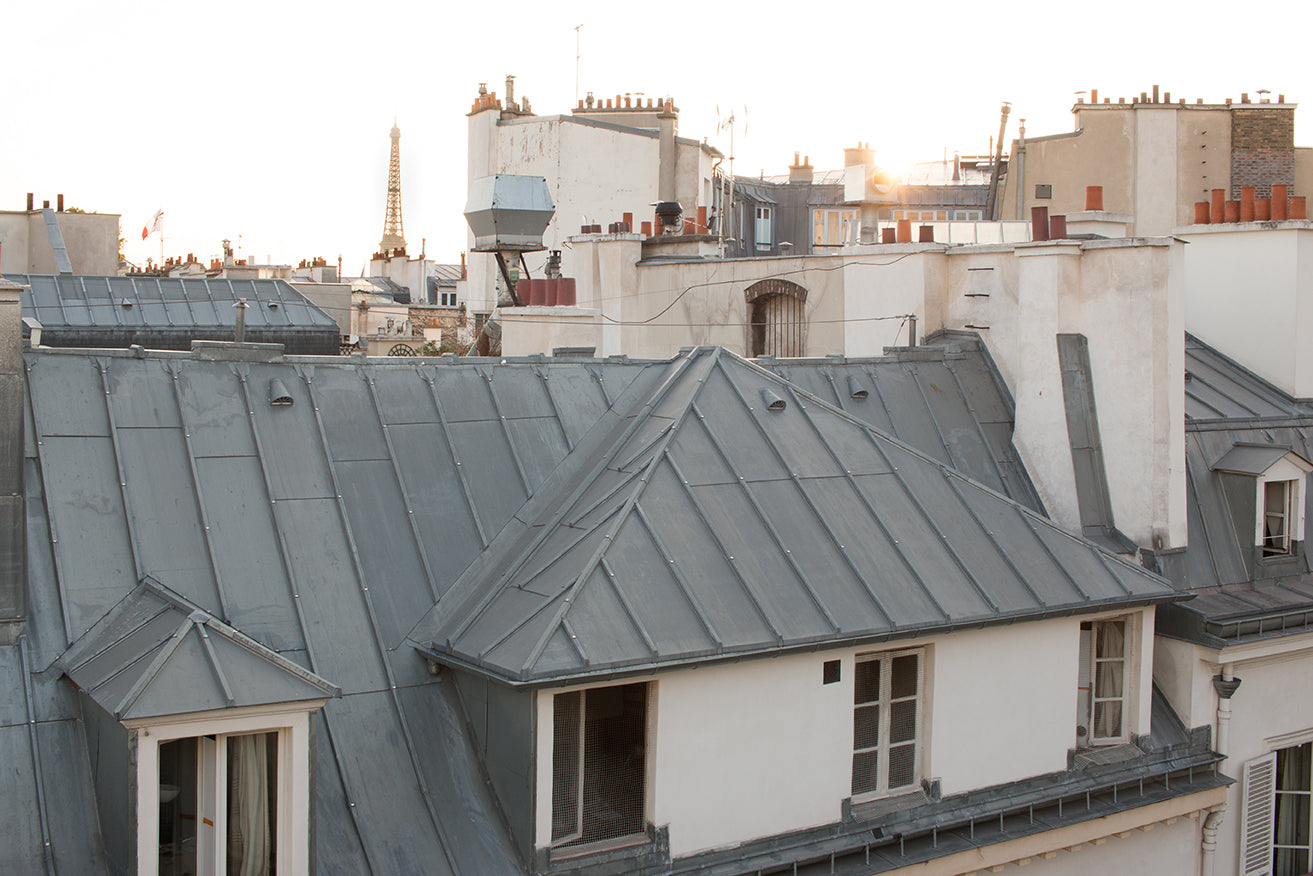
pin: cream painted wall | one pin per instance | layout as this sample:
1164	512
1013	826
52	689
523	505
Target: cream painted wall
1155	170
1166	850
1251	297
1270	703
745	750
1127	298
528	330
90	239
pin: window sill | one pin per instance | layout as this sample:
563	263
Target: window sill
598	847
867	807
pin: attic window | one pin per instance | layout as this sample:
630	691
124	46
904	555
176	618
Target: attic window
1278	512
887	723
599	764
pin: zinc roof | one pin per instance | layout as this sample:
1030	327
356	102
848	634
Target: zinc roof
703	523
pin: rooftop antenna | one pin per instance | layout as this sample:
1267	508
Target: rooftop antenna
576	63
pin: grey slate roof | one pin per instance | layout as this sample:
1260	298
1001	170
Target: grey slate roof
155	655
701	524
168	312
1237	425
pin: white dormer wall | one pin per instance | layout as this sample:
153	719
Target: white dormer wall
1289	468
747	750
1251	297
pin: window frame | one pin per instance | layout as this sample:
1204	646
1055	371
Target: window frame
762	230
843	220
1087	681
1259	780
292	780
1282	544
570	845
883	741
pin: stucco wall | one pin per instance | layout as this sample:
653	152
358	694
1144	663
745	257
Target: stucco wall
1269	704
90	239
1251	297
1127	298
748	750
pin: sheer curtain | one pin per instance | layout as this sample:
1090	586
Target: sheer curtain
248	806
1109	653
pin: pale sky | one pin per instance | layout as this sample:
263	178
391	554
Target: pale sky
268	123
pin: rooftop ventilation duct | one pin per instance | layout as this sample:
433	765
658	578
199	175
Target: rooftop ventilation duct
772	401
509	213
279	397
855	388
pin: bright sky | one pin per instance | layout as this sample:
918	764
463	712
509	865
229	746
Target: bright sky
267	122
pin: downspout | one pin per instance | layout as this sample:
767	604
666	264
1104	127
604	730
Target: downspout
1225	684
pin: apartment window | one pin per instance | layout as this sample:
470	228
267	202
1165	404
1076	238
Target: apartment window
834	227
1104	675
599	764
1278	512
922	215
968	215
447	299
776	318
219	804
887	723
1277	817
762	231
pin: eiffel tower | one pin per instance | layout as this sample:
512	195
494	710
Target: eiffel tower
393	242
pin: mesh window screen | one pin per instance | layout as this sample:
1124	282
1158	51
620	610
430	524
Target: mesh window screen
599	764
1293	838
886	722
567	711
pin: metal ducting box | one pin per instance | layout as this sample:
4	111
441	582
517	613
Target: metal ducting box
508	213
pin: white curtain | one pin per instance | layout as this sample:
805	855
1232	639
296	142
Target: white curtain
248	806
1109	683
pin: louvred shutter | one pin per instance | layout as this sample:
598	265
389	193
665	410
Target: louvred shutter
1258	805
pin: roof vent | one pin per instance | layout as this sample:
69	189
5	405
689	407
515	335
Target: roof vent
125	303
855	388
279	397
772	401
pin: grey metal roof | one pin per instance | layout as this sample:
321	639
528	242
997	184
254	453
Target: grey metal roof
155	654
945	399
1250	459
698	522
1217	388
326	529
168	312
1236	424
322	531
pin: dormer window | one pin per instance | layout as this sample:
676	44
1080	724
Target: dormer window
1277	475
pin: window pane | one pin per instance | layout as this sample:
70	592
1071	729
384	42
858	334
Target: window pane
567	709
178	807
866	686
1108	719
866	767
866	727
903	681
1292	819
902	766
252	803
615	761
902	721
1108	679
1290	862
1294	767
1111	639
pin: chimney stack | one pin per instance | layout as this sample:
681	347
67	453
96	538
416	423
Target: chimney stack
13	607
666	152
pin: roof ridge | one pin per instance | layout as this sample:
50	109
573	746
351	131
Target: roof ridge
678	367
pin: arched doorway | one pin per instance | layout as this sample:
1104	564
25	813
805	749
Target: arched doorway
777	322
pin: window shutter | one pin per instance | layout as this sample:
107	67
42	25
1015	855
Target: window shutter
1256	815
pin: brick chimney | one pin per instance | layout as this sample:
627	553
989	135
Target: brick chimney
13	608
